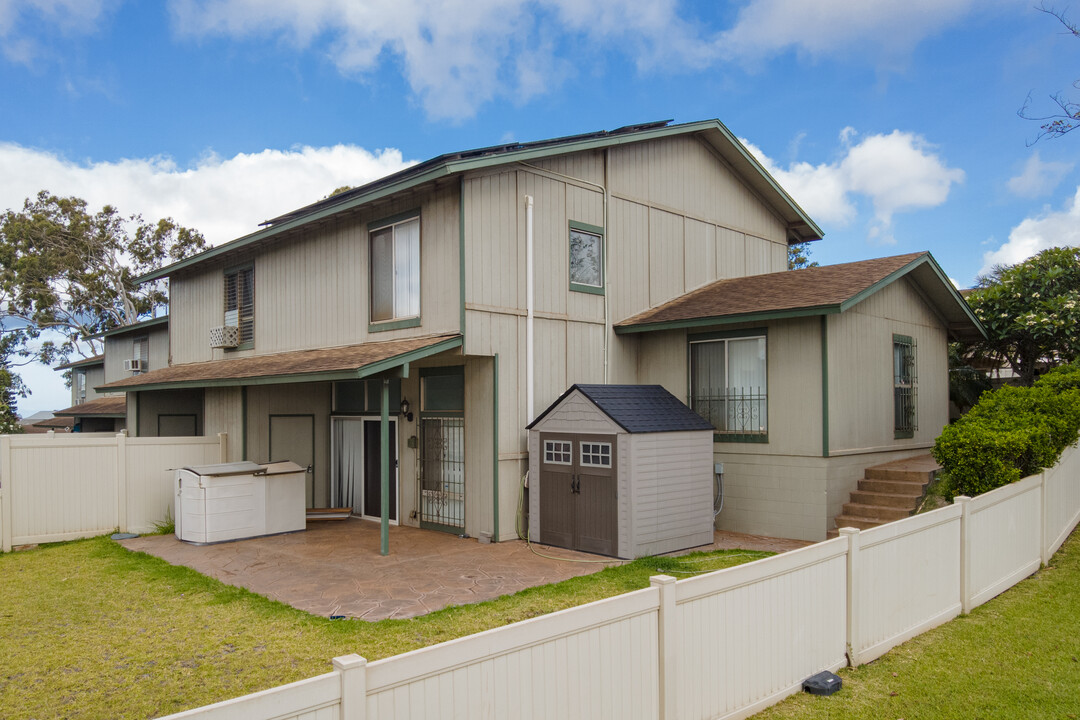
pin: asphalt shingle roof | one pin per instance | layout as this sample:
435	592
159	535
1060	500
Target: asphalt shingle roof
638	408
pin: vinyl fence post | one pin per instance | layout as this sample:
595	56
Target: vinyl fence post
1044	531
121	483
965	552
353	672
223	447
853	640
666	645
6	482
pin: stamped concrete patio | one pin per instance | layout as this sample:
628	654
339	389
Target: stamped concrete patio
334	568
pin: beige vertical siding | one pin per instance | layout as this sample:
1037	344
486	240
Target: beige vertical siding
861	370
479	437
94	376
311	290
224	413
672	478
120	348
305	399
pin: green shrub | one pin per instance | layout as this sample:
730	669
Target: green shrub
1011	432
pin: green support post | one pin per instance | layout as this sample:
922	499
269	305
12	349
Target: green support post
384	468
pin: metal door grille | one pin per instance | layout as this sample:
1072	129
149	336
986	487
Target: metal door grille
442	474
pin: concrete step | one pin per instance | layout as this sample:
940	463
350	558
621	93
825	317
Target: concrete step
896	475
879	513
830	534
894	487
904	501
856	522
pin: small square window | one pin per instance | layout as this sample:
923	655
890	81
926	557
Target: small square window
558	452
596	454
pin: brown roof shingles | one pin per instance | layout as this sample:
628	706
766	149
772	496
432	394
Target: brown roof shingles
298	362
112	405
790	290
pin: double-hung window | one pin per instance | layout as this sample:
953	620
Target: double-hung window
140	350
240	303
395	270
729	385
905	387
80	387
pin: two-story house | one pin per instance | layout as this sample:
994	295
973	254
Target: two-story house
426	318
128	351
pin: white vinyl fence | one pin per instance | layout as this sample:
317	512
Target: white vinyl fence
722	645
65	486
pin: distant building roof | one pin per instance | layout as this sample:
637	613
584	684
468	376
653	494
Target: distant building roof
823	290
55	423
638	408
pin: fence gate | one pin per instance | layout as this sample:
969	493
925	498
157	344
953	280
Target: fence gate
442	474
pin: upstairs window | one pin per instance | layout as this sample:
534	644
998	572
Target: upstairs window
395	270
80	387
729	386
905	387
140	350
586	258
240	303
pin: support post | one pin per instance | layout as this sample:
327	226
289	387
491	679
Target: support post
223	447
853	629
666	645
121	483
1044	530
384	469
6	482
965	553
353	672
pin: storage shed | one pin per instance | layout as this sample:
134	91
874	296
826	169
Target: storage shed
620	470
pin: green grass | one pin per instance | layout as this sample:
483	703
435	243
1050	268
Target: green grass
1018	656
90	630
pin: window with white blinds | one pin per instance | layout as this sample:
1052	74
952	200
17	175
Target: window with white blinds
395	270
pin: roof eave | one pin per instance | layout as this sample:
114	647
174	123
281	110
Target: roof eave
715	320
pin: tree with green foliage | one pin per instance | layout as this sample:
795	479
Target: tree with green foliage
67	273
1031	311
798	256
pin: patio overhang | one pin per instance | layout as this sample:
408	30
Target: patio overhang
351	362
106	407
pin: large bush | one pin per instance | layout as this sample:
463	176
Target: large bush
1011	432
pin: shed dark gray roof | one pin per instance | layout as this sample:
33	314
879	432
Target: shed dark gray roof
637	408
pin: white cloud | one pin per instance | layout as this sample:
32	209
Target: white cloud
458	54
898	172
26	24
887	28
222	198
1051	228
1038	178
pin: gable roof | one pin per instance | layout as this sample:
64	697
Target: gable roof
350	362
800	226
133	327
82	362
637	408
824	290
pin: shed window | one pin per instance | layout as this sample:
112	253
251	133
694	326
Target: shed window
729	385
240	303
905	387
596	454
586	258
558	452
395	270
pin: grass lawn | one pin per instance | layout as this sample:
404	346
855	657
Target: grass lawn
1018	656
91	630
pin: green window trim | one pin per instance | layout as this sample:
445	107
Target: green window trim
598	231
405	319
385	325
236	271
905	387
724	336
442	371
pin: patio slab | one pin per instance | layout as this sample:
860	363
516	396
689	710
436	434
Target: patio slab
334	567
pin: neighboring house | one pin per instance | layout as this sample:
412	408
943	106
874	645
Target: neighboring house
467	293
43	421
129	351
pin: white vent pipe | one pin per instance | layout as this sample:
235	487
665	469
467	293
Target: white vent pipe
530	363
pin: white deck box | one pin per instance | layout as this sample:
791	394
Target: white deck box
231	501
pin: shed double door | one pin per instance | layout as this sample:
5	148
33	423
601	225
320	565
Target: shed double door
578	492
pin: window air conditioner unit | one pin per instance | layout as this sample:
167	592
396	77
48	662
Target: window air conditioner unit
134	365
226	336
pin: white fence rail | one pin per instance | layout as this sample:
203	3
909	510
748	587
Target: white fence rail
722	645
62	486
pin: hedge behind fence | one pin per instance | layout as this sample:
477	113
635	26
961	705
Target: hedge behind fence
1012	432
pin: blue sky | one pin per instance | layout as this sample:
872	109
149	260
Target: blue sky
893	122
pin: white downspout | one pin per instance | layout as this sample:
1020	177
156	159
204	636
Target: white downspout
529	357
